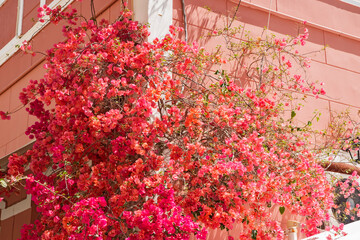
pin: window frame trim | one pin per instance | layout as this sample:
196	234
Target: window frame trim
14	44
19	17
2	2
352	2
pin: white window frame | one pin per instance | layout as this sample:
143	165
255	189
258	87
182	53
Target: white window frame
13	45
157	13
353	2
19	17
2	2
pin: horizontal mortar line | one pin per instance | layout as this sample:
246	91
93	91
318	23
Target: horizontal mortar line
17	150
328	99
296	19
332	65
11	140
335	66
289	17
335	101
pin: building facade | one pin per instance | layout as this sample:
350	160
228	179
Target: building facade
333	25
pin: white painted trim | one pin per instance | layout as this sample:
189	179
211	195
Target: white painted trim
16	208
42	3
13	45
160	18
353	2
19	17
157	13
2	2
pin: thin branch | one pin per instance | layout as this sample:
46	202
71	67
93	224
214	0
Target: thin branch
123	3
93	14
233	18
185	21
340	167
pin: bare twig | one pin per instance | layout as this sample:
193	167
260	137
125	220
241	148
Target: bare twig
93	14
340	167
236	10
185	21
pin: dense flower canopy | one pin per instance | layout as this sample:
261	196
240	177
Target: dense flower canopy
140	140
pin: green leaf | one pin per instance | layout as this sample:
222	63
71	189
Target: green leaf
309	123
3	183
293	114
253	234
222	226
282	210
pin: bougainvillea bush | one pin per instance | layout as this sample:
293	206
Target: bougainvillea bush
142	140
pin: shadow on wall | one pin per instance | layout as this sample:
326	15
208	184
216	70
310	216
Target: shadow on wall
206	16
